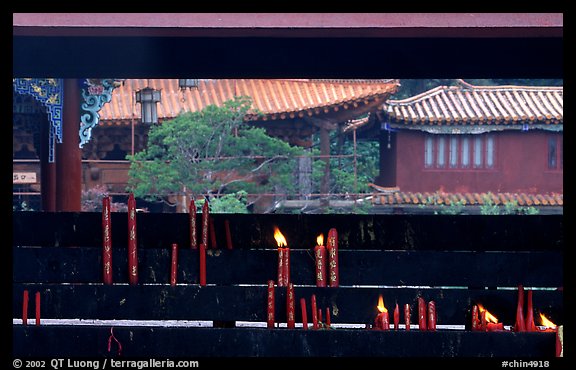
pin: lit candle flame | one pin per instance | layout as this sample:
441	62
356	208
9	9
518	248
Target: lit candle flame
381	306
489	316
320	239
547	323
280	240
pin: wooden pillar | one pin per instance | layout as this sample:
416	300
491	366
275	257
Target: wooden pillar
325	151
68	153
47	170
387	176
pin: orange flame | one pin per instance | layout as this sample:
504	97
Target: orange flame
381	306
489	316
320	239
280	240
546	322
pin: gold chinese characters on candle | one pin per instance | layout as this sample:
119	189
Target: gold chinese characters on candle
320	254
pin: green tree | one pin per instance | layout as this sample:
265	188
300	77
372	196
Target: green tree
213	152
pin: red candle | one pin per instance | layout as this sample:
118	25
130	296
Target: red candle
304	314
202	264
520	324
327	317
270	307
407	316
132	255
385	320
192	219
319	316
529	324
396	317
174	265
483	322
494	326
290	307
286	266
228	235
320	254
432	316
314	312
106	242
37	308
475	319
25	308
282	258
212	233
281	261
333	257
421	313
382	321
205	217
560	342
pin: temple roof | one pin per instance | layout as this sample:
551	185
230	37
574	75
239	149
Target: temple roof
396	197
276	98
467	104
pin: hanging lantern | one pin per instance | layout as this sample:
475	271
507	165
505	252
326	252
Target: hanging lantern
186	83
148	97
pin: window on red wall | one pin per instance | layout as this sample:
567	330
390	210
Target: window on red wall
555	152
457	152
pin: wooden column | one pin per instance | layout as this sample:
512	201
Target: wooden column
47	170
325	151
68	153
387	176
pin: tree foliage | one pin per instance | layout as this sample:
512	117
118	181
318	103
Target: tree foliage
212	152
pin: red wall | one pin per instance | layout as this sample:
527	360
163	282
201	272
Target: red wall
521	166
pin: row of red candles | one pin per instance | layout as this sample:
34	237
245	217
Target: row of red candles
320	252
207	227
291	307
426	316
483	320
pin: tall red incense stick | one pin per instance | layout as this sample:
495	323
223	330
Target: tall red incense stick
25	308
529	325
327	317
396	317
320	317
520	325
213	243
281	261
106	242
286	266
202	251
270	305
174	265
290	307
407	316
432	316
205	216
421	313
228	235
314	312
304	314
320	254
132	253
192	220
37	308
332	247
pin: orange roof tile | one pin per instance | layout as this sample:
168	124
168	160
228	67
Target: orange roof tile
470	104
468	199
275	98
